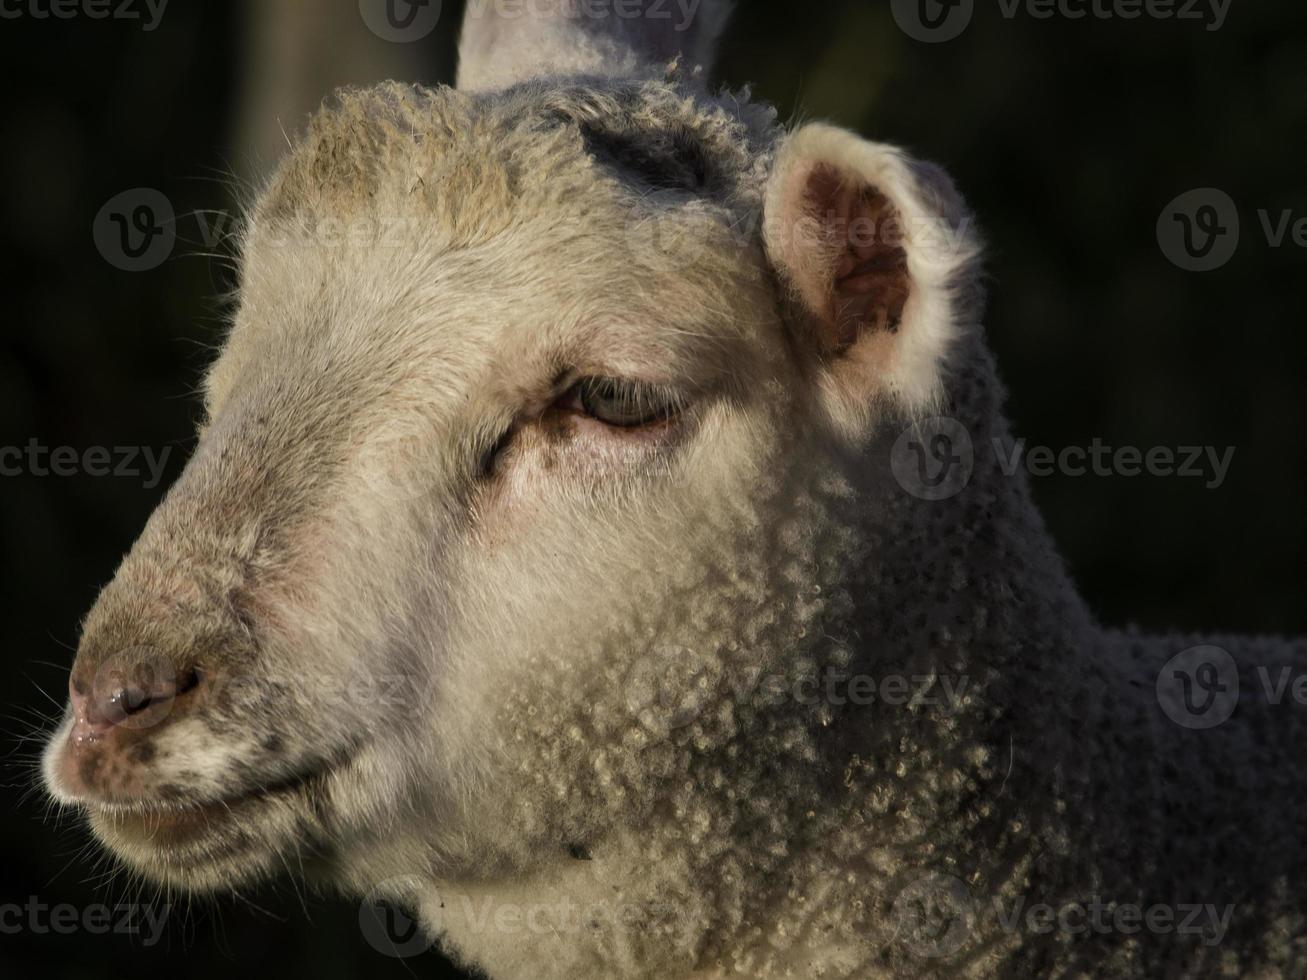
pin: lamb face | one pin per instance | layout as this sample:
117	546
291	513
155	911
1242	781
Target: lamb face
548	470
533	427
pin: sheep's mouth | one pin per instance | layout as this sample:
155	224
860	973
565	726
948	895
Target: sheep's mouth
174	826
179	826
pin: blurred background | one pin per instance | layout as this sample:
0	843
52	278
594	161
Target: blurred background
1071	137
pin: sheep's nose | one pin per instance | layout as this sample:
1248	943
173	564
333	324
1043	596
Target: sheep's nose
129	701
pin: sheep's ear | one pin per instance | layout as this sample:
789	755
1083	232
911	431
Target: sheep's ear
877	256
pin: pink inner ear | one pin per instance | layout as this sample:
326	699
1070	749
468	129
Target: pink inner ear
863	269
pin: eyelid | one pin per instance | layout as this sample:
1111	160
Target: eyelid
659	390
633	386
637	402
566	397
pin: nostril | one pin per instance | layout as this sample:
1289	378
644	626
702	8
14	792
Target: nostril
130	701
188	680
99	707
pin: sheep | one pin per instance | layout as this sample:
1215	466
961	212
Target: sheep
599	541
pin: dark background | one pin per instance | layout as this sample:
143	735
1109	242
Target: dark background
1069	137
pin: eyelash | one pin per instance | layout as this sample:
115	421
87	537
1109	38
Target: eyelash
621	403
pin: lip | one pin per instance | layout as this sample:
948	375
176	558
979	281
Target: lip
173	827
181	823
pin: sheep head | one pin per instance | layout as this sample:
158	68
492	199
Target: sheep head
552	417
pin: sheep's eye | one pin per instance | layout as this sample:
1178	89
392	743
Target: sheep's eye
622	403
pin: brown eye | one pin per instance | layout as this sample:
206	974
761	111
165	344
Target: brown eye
624	404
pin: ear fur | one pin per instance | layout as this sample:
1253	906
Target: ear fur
878	257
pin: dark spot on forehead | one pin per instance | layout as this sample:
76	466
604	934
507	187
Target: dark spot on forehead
274	743
673	160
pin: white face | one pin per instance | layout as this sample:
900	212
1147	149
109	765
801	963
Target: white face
411	453
505	466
